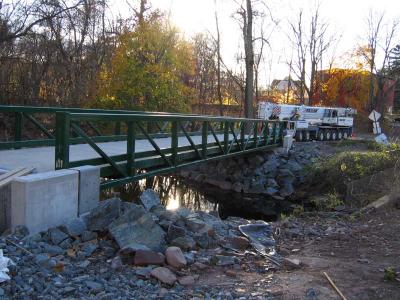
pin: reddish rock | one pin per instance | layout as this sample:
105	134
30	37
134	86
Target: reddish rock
237	242
165	275
231	273
148	257
175	257
199	265
186	280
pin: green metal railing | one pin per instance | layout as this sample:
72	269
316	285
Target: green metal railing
206	138
42	121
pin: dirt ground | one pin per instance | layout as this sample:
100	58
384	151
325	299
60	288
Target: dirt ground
354	253
355	261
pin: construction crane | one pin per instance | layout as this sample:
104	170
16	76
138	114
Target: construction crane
311	122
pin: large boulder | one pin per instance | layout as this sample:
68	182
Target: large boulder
142	231
101	216
149	199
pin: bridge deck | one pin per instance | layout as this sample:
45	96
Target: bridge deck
42	158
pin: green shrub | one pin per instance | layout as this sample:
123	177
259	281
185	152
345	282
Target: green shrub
332	174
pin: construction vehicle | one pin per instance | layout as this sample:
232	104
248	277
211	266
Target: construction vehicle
311	122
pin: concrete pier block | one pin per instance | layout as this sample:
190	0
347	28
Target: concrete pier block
5	202
5	207
89	188
44	200
287	142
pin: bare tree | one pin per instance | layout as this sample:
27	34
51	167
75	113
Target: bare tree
218	46
311	40
378	42
245	13
18	18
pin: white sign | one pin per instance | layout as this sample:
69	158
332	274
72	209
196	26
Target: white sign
377	128
382	139
374	116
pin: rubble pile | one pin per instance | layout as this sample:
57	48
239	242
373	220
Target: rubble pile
125	250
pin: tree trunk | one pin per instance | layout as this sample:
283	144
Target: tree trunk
219	94
249	53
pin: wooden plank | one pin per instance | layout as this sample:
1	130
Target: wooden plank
22	172
10	173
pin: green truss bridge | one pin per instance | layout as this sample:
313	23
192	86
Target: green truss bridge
127	145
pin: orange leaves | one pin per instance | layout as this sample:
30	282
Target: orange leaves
345	87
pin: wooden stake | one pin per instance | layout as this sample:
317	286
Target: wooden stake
8	177
334	286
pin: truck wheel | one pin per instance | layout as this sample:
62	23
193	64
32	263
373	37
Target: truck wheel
328	135
299	136
334	135
321	135
307	136
340	134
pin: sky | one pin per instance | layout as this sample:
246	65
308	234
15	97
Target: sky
347	19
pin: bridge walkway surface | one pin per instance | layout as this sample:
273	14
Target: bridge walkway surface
43	158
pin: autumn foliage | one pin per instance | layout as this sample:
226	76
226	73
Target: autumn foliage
151	69
342	88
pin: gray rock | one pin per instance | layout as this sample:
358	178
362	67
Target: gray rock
94	286
75	227
285	173
21	231
52	249
255	160
142	231
205	241
101	216
68	290
293	166
272	183
287	189
175	232
84	264
133	213
194	223
66	244
116	263
42	259
222	260
271	191
57	236
237	187
88	236
312	294
186	243
149	198
183	212
89	248
144	272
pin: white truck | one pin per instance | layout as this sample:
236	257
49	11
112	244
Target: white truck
311	122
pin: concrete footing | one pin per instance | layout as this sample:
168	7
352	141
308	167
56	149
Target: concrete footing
89	188
43	200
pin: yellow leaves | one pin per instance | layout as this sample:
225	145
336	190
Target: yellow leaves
150	69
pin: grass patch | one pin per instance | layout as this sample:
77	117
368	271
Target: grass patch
331	175
327	202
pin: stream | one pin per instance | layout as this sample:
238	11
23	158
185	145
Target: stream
176	192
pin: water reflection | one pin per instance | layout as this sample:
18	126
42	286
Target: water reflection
176	192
